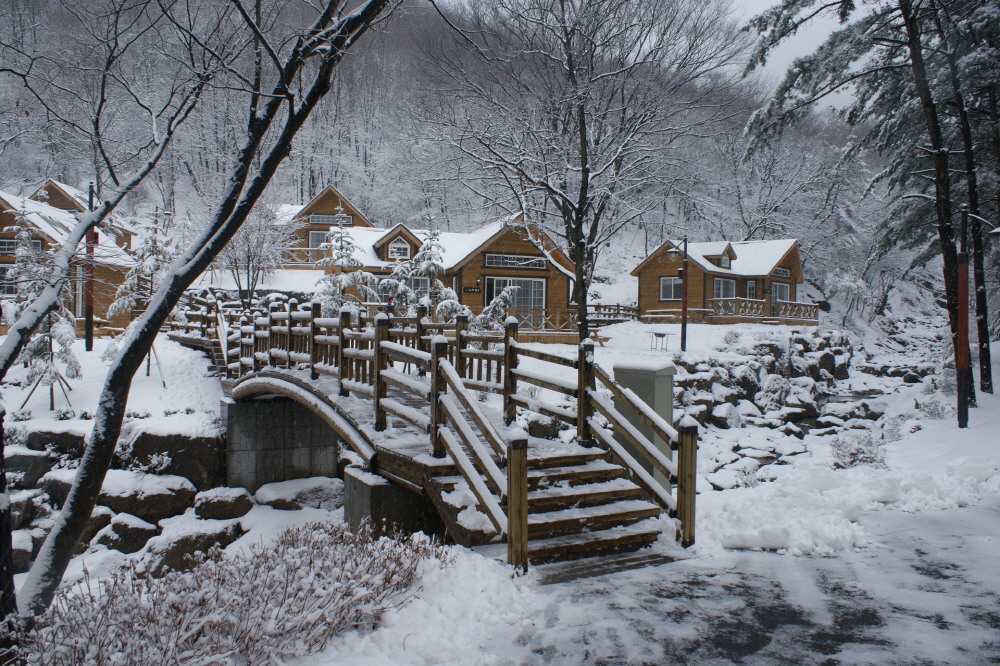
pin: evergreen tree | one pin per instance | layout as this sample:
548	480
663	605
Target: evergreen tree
331	290
152	257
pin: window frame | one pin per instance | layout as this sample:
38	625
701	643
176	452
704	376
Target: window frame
724	261
8	288
315	252
513	260
677	287
36	246
780	271
787	288
329	220
751	286
490	290
398	243
718	292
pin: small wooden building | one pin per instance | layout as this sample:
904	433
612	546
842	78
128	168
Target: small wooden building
727	283
313	221
51	226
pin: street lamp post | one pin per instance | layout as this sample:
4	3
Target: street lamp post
682	273
962	351
88	285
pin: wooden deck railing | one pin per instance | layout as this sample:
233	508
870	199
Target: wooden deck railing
434	366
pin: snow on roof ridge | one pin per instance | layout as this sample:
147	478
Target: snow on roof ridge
753	262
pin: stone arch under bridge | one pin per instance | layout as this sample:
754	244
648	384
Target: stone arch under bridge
281	427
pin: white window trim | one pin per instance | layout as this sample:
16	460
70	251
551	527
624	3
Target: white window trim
676	281
502	260
788	292
751	284
724	261
315	252
782	272
718	292
398	242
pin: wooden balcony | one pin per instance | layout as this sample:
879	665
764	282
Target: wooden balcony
741	310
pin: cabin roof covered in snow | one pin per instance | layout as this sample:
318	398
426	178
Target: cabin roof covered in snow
82	200
747	257
56	224
457	245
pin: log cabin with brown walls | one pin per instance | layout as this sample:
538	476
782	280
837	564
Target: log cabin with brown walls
66	197
479	264
727	283
50	227
313	221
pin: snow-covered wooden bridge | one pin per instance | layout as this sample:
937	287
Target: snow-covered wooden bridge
409	397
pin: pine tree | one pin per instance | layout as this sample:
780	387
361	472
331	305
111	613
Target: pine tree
152	257
331	290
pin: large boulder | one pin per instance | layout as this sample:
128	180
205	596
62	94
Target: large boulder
318	492
66	443
25	506
726	415
126	533
26	466
223	503
199	459
151	497
99	519
21	550
178	551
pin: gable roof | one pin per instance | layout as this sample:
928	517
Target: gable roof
752	258
82	201
287	213
398	231
56	224
458	245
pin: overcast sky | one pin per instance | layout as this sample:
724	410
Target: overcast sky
805	41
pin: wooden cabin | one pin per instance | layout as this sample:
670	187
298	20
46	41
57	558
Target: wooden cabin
728	283
480	264
65	197
51	225
313	221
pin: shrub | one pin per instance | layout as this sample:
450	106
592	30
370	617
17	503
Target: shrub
64	414
259	607
731	337
860	449
20	415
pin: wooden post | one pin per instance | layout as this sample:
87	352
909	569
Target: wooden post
510	330
585	380
271	340
293	306
687	467
439	350
343	363
517	500
314	309
461	324
419	343
378	365
243	322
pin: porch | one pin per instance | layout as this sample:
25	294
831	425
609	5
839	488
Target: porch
741	310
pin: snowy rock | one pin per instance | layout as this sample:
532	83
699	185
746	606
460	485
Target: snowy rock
223	503
64	443
27	464
151	497
319	492
543	428
126	533
99	519
200	460
25	507
21	550
178	552
726	416
792	429
747	408
724	479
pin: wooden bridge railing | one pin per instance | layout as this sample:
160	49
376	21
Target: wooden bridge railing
435	365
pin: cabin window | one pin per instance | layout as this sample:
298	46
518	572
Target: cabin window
421	286
723	288
670	288
782	272
780	291
316	238
529	295
7	286
398	250
514	261
751	288
9	245
724	261
332	220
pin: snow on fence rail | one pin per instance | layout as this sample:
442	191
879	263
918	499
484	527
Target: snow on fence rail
434	366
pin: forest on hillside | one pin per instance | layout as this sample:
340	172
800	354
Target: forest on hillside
420	126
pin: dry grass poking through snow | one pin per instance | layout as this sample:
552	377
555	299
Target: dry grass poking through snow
286	599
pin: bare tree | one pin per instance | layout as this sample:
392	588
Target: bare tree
569	107
256	250
300	69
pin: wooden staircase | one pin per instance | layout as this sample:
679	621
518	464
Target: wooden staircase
580	504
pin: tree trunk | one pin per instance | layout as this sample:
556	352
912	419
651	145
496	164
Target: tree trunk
939	158
8	600
56	552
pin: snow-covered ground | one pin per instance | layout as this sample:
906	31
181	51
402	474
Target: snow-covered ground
884	563
869	564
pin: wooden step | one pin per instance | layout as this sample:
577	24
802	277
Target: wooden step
602	565
548	460
591	494
601	517
590	472
587	544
